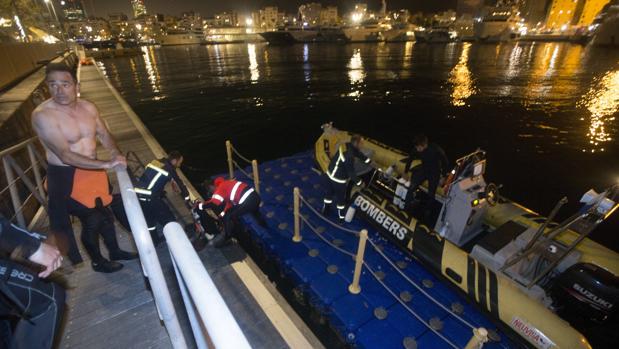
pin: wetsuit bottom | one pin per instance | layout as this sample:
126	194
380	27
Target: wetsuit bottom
94	221
30	309
59	186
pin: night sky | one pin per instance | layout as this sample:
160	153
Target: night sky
209	7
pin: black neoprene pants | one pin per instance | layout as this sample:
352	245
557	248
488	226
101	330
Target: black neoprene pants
40	304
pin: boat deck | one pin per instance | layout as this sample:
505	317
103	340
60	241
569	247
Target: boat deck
390	312
117	310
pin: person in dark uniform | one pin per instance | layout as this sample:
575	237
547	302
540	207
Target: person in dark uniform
434	164
150	191
30	308
341	170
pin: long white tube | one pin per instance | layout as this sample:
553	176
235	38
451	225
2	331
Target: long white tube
221	326
149	259
196	326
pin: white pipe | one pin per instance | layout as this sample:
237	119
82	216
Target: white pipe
149	259
196	325
221	326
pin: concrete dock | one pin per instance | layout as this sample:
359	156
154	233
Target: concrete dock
117	310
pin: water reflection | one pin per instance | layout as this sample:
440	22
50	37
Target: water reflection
135	74
602	101
356	74
253	63
461	79
151	68
307	69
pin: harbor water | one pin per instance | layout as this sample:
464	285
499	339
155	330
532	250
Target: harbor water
546	113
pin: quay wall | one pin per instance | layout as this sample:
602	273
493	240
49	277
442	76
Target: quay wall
18	60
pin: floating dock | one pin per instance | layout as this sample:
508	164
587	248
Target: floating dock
401	304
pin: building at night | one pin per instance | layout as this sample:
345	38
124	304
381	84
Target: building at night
138	8
587	11
73	10
560	14
310	13
534	12
328	16
266	18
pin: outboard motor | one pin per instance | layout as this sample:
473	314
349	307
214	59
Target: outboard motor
586	292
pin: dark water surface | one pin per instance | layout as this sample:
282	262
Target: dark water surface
545	112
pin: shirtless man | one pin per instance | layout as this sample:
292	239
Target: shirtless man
68	128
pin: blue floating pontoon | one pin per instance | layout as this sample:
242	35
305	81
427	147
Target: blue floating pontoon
401	304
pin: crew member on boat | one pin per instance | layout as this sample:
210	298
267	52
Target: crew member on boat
434	164
150	191
341	170
77	182
232	199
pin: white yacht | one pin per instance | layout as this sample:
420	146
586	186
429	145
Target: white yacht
365	32
442	34
500	23
399	32
181	37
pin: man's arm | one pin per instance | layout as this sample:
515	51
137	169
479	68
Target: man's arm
50	135
30	246
107	141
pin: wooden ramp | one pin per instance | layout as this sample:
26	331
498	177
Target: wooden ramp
117	310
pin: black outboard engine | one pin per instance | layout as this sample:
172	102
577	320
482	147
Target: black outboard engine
586	292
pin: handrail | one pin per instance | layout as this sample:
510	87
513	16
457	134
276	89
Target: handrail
149	259
17	146
221	326
10	165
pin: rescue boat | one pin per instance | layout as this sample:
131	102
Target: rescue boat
544	280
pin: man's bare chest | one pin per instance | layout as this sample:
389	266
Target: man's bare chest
77	126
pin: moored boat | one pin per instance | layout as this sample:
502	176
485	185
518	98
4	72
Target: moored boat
545	281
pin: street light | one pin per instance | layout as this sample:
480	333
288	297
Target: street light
48	4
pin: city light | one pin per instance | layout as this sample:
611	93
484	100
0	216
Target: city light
356	17
249	22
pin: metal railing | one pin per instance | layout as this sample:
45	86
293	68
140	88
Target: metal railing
203	295
149	259
15	175
192	277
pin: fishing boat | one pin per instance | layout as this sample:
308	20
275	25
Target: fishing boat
543	280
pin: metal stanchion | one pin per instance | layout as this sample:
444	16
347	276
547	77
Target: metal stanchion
254	167
354	288
230	164
297	216
480	336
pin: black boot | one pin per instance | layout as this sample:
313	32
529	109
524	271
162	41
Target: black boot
106	266
120	255
220	240
325	209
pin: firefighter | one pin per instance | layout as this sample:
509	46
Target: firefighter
150	191
342	170
232	199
